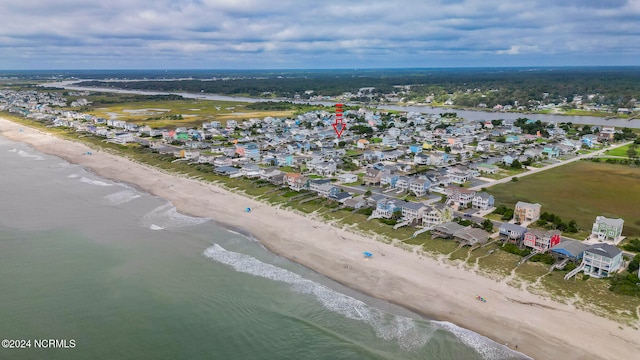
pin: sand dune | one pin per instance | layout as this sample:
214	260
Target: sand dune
541	328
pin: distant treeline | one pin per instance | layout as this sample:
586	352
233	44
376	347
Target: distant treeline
615	86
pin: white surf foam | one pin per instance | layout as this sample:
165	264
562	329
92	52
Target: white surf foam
63	165
94	182
121	197
155	227
486	347
167	217
73	176
23	153
388	327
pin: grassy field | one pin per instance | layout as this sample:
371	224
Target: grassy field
160	111
163	113
620	151
580	190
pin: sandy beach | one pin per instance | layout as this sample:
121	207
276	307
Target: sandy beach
541	328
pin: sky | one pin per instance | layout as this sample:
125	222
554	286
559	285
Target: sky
326	34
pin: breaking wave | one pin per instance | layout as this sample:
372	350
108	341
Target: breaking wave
121	197
167	217
486	347
94	182
23	153
388	327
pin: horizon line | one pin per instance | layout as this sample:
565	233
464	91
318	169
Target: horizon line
336	69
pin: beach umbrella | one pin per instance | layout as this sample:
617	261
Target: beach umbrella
247	209
367	254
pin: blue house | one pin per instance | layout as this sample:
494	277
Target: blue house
385	208
569	249
389	179
589	140
551	151
415	148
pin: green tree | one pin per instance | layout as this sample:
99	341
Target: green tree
487	225
516	164
634	264
508	215
632	152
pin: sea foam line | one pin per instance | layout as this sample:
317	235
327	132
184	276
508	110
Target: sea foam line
167	217
23	153
121	197
486	347
94	182
388	327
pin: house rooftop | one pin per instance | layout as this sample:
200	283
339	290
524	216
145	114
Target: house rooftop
568	247
513	227
472	235
542	233
607	250
449	228
522	204
609	221
412	205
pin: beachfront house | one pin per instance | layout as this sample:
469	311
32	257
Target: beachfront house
297	182
512	232
328	190
471	236
602	260
314	184
412	210
541	240
446	230
573	250
606	229
386	208
355	203
526	212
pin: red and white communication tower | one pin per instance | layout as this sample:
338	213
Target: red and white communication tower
339	125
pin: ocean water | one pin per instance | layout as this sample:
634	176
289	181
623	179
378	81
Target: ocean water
126	276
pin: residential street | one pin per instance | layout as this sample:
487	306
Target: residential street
551	166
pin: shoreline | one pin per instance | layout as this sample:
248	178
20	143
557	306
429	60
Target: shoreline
541	328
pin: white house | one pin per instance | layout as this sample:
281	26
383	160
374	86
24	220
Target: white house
601	260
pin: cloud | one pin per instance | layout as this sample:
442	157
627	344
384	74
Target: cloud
331	33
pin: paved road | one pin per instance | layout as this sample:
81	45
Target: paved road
551	166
